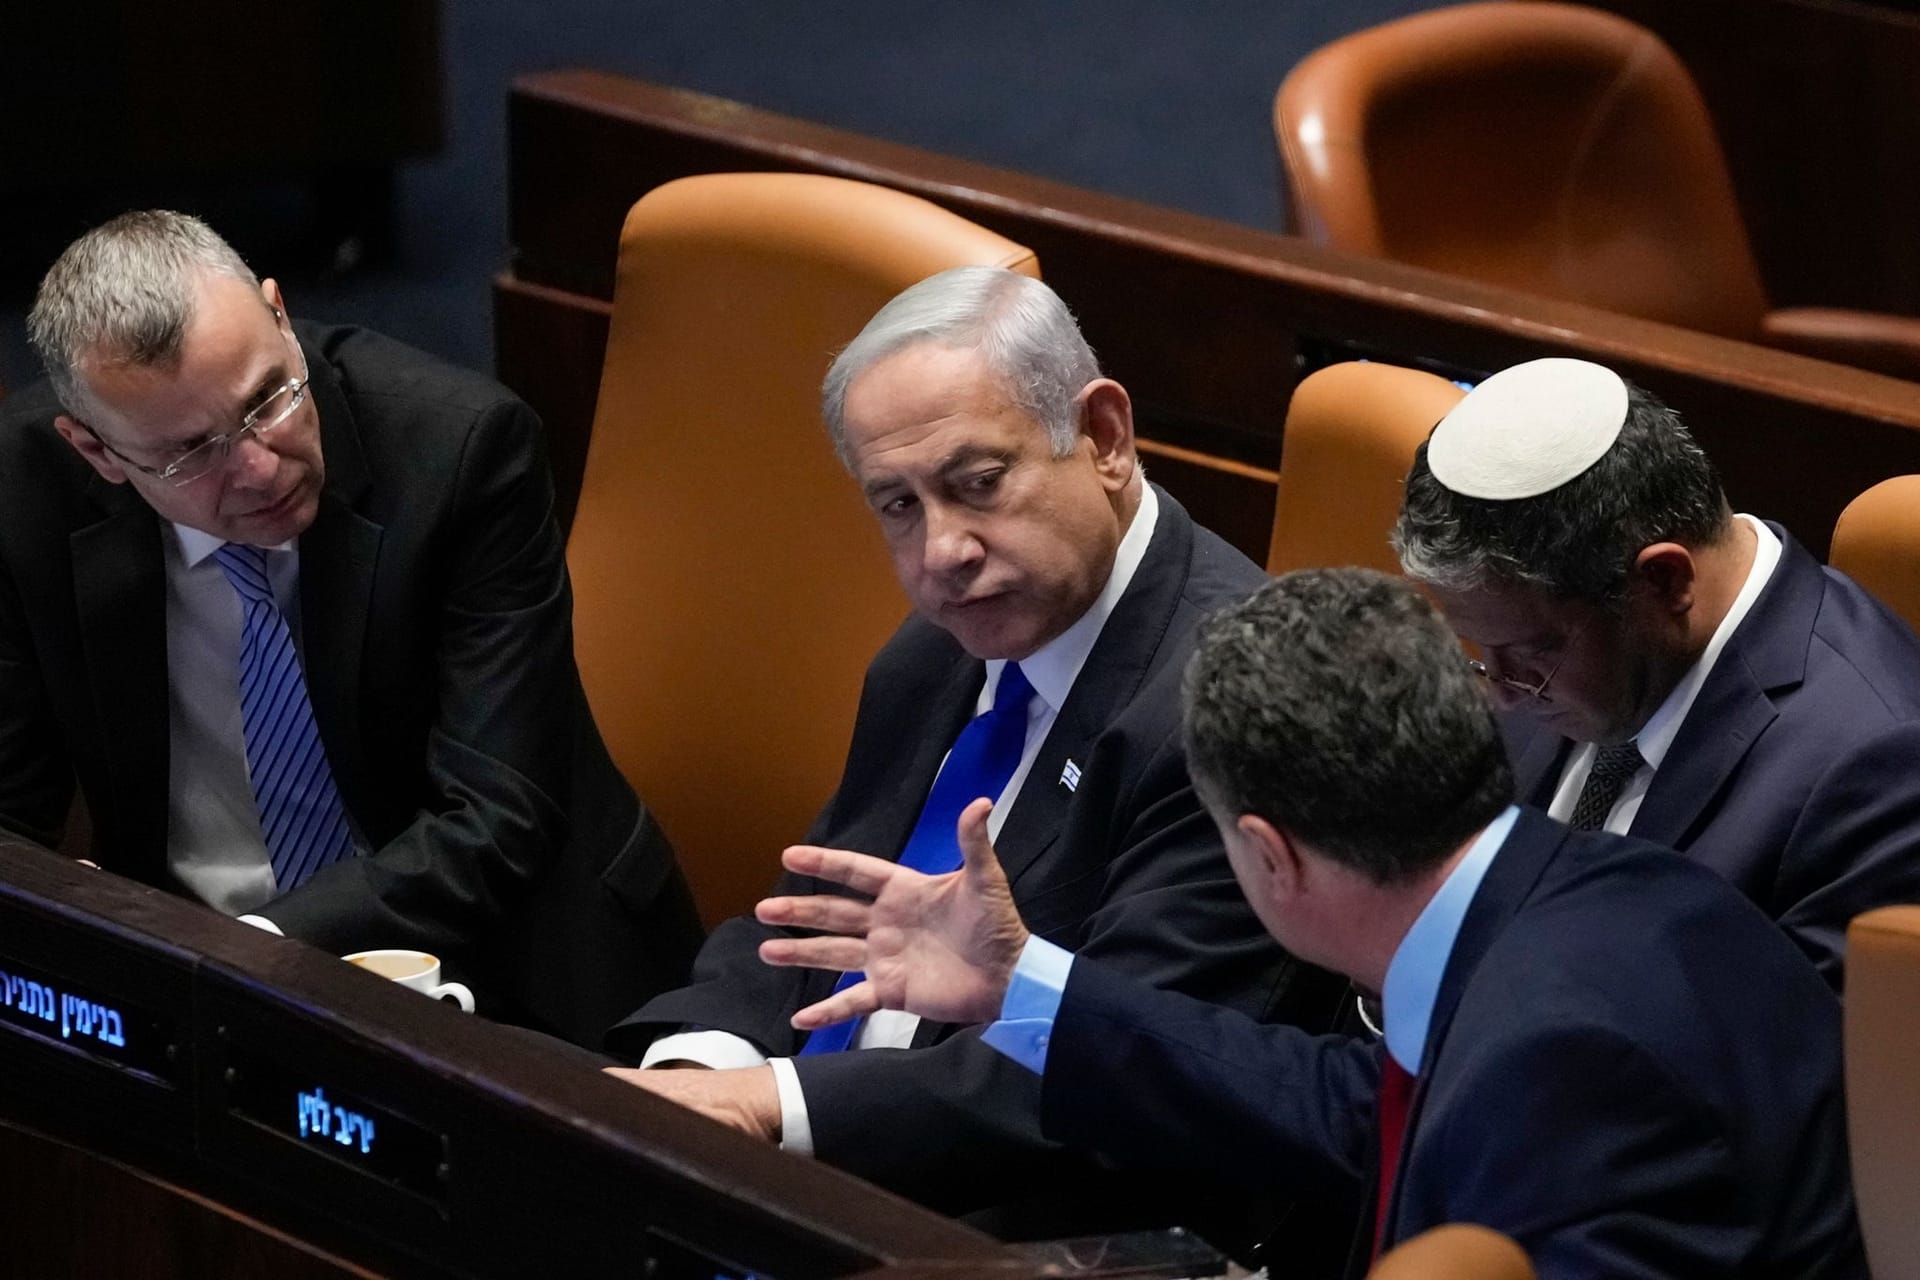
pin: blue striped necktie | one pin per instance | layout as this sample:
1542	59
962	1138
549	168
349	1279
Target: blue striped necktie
981	763
301	815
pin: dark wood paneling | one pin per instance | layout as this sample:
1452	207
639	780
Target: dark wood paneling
92	1217
551	347
1208	324
1818	107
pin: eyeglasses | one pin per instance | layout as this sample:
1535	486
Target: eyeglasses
211	454
1537	691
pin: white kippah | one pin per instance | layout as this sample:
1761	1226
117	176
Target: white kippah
1528	429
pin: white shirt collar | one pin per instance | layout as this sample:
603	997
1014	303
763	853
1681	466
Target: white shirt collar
1663	726
197	544
1052	668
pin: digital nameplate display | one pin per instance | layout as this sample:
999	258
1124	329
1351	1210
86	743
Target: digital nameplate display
300	1105
55	1009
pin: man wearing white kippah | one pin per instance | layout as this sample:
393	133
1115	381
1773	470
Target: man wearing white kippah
1670	669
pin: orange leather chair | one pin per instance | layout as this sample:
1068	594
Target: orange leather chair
1877	543
729	583
1350	436
1458	1251
1883	1085
1548	148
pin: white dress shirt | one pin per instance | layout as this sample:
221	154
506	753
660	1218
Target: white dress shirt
1663	726
214	844
1051	669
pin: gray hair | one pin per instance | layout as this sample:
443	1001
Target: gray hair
1578	541
125	292
1019	326
1335	704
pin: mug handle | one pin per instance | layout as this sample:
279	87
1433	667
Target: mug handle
459	992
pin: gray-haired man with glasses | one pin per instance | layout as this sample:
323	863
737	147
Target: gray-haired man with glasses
197	460
289	605
1670	669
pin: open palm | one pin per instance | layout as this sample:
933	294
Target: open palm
942	947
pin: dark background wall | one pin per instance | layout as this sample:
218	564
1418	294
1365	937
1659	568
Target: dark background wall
1160	100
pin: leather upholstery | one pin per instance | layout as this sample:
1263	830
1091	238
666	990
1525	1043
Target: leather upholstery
1458	1251
1883	1084
1876	542
1350	437
1542	147
729	583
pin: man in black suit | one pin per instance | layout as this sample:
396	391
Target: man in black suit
1670	669
1001	467
385	743
1596	1047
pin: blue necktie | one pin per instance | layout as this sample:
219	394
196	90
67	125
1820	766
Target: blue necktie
300	812
981	763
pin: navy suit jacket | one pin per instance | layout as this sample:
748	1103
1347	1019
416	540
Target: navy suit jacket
1796	774
1628	1071
436	627
1127	867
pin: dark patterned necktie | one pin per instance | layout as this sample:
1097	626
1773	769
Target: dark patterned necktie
981	763
1612	766
301	817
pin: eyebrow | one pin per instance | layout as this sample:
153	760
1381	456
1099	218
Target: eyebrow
968	454
963	456
270	381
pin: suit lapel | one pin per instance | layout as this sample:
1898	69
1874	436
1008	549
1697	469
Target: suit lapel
119	583
898	745
1117	666
339	556
1516	869
1766	654
1539	757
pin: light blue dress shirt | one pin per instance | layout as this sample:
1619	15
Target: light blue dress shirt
1032	1002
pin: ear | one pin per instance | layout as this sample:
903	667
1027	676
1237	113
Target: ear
88	446
1667	574
270	290
1106	419
1278	857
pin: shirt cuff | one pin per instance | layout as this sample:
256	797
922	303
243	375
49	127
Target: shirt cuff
796	1131
1031	1004
717	1049
261	922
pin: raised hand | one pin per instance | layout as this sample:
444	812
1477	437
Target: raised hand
943	947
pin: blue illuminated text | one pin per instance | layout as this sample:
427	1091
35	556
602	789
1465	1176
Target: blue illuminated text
320	1119
75	1016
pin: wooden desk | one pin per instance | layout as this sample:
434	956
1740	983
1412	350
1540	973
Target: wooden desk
1208	324
157	1062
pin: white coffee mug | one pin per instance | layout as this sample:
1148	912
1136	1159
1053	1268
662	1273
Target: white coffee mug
415	969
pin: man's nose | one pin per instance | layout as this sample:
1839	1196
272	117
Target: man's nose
250	462
951	543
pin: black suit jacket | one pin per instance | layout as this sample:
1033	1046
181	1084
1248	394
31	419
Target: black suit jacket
1628	1070
1796	774
1126	867
437	641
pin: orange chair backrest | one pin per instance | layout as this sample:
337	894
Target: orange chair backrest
1349	441
1883	1084
1457	1251
1876	542
1537	146
729	583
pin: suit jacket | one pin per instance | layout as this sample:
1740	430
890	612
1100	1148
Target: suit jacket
1794	774
1127	867
1628	1070
437	642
